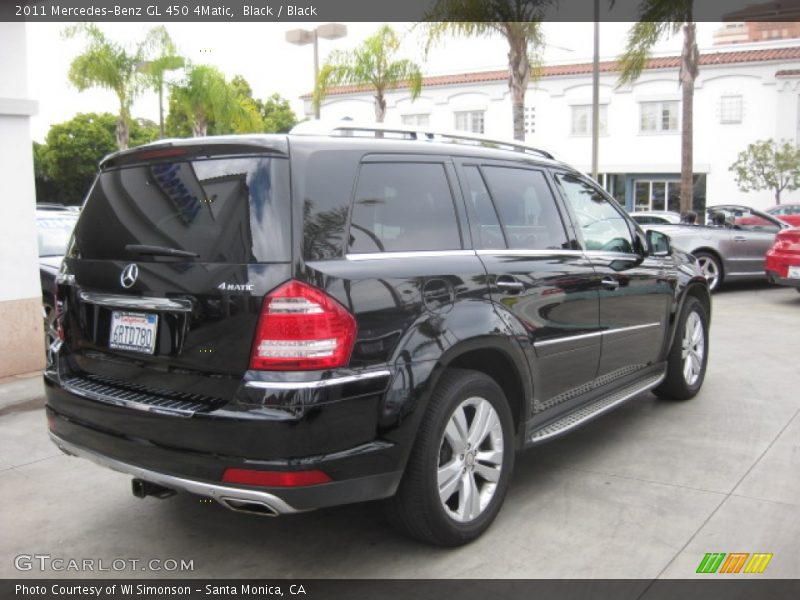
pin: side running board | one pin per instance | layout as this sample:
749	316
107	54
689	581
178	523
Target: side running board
595	409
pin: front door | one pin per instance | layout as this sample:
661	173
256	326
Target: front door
634	289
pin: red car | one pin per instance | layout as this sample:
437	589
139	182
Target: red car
783	259
786	212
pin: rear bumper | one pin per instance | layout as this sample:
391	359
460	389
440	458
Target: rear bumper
777	267
332	427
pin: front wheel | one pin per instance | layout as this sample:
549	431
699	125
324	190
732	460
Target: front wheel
688	356
458	471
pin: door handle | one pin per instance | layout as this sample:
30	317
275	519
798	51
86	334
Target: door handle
510	284
739	238
609	283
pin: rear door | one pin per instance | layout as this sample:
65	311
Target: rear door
751	236
171	259
635	290
537	275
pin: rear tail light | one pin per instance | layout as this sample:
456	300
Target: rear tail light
302	328
275	478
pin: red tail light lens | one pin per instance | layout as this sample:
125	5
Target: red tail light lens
275	478
302	328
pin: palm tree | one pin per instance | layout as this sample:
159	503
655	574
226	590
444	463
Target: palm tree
370	64
206	97
519	21
661	18
108	65
162	56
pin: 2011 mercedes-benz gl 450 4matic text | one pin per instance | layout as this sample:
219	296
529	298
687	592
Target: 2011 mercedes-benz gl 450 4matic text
288	322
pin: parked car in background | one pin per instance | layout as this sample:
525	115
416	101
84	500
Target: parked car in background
786	212
288	322
656	217
54	225
731	246
783	259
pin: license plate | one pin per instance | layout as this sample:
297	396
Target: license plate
794	273
135	332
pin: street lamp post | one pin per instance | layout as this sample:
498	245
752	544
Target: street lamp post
301	37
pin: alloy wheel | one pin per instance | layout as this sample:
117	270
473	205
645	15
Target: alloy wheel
693	348
470	459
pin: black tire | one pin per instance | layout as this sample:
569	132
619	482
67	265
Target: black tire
417	509
675	385
715	280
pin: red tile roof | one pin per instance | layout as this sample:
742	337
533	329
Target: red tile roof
609	66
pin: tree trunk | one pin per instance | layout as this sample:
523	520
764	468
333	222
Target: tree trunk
123	131
161	109
777	196
380	107
688	74
519	75
199	127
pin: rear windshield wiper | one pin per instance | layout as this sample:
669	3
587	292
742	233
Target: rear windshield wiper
159	251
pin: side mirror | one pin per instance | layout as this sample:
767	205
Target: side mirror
658	243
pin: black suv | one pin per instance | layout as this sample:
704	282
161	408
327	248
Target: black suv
288	322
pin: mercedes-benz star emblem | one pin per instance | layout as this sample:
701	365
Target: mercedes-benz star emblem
128	276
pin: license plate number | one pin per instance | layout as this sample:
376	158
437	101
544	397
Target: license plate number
135	332
794	273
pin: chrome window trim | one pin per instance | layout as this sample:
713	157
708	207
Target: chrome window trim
606	332
136	302
415	254
317	383
531	252
220	493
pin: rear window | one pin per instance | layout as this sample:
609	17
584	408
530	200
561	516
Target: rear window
403	207
229	210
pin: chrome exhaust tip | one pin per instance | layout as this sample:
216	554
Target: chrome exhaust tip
253	507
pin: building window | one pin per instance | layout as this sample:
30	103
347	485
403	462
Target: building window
530	119
470	120
730	109
582	119
420	120
658	116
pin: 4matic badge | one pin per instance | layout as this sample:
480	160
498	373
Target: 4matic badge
235	287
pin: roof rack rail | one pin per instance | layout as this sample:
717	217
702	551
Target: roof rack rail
379	130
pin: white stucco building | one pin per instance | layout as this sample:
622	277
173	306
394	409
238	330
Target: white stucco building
21	335
744	93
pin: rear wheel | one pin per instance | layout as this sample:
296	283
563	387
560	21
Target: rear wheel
711	269
688	357
458	471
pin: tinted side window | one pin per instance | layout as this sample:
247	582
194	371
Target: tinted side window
527	208
601	224
403	207
491	235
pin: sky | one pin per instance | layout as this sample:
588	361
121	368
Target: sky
259	52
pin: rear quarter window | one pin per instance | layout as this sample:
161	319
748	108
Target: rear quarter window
403	207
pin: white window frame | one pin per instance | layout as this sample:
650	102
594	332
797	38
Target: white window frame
659	116
577	109
731	109
475	120
415	119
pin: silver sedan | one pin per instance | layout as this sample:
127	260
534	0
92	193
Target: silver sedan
731	246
